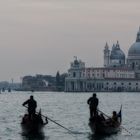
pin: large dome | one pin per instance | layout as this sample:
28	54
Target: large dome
134	49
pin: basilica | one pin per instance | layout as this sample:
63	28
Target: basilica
119	73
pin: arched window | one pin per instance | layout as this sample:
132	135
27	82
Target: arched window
74	74
133	65
120	61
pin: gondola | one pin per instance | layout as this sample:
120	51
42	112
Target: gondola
33	125
107	126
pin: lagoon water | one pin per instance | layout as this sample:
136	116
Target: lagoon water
71	111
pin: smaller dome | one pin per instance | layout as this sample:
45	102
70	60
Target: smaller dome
117	55
116	52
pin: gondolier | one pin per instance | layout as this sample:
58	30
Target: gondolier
32	105
93	104
32	123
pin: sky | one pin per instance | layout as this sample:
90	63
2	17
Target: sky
43	36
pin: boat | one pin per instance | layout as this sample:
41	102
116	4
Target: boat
33	125
9	89
106	126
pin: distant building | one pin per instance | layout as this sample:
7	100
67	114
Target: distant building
31	83
118	73
43	83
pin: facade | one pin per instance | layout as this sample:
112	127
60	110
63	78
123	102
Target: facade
118	73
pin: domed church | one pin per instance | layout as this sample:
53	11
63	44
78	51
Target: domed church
116	57
118	73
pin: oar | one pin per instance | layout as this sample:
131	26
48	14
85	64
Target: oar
55	122
58	124
111	119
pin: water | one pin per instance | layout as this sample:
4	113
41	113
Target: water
71	111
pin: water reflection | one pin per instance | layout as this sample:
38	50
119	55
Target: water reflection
102	137
39	136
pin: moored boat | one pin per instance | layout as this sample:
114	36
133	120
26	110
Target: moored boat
105	126
33	125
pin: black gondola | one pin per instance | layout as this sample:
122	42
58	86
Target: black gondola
33	125
107	126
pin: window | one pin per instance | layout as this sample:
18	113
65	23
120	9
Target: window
80	74
120	61
133	65
74	74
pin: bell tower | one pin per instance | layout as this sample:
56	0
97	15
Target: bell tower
138	36
106	56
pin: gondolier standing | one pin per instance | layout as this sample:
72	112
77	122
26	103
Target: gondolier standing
32	104
93	104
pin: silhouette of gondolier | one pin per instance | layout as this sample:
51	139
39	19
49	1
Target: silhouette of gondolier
93	104
32	105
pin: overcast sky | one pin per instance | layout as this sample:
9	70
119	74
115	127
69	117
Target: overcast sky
42	36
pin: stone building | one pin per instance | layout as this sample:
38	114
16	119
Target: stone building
118	73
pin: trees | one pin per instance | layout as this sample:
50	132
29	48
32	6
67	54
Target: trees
60	81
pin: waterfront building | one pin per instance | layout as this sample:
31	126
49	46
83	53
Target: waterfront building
118	74
43	82
31	83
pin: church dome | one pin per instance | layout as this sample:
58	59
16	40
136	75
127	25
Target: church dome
117	53
135	48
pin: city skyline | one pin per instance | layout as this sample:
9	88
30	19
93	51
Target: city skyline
41	37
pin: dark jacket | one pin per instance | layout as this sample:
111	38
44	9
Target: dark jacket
31	105
93	102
